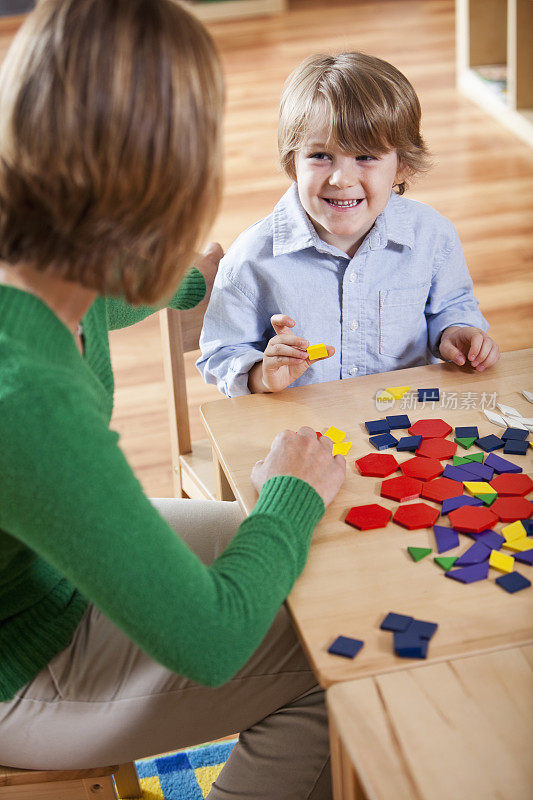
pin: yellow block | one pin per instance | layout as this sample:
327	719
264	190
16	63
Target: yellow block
397	391
341	448
501	561
478	487
519	545
335	434
514	531
315	351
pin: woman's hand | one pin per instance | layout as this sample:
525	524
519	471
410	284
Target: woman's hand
207	263
285	358
304	456
458	344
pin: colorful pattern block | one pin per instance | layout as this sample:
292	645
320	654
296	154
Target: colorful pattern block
467	432
490	443
396	622
472	520
418	553
410	645
465	442
315	351
518	545
475	554
441	489
513	582
515	447
501	465
383	441
501	561
510	509
519	434
401	489
491	539
430	429
407	443
416	516
397	391
525	558
457	473
446	562
398	422
445	538
345	646
514	531
368	517
477	572
341	448
375	426
451	503
335	434
437	448
478	487
512	485
425	469
428	394
376	465
478	470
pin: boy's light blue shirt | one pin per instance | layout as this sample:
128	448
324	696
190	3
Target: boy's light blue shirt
383	309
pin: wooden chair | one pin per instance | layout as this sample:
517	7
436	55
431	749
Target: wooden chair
196	473
102	783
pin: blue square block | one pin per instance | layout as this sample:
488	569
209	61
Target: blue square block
423	629
345	646
428	394
515	433
467	433
398	421
516	447
383	441
396	622
409	443
490	443
513	582
377	426
410	645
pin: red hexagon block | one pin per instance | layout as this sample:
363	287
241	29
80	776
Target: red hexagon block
417	515
511	485
368	517
511	508
430	429
378	465
425	469
437	448
441	489
401	489
472	519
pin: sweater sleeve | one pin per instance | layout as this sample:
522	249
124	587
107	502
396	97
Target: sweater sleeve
190	292
71	497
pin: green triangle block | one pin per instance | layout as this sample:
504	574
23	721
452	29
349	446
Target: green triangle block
461	460
475	457
446	562
465	443
488	499
418	553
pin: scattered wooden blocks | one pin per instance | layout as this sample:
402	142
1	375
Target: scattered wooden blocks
335	434
425	469
515	433
409	645
430	429
418	553
525	558
345	646
514	531
408	443
446	562
510	485
501	561
467	433
397	391
416	516
515	447
477	572
476	554
510	509
377	465
341	448
491	539
490	443
465	443
513	582
501	465
476	488
428	394
437	448
396	622
441	489
368	517
315	351
457	473
383	441
518	545
479	470
377	426
472	520
451	503
398	422
445	538
401	489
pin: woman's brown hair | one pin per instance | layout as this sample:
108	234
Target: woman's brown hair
368	106
110	144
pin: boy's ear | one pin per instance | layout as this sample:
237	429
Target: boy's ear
402	172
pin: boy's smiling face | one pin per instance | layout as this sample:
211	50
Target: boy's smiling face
343	193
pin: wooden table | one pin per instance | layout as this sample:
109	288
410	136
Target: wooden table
458	730
352	578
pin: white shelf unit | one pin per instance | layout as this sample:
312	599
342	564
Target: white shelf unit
235	9
494	44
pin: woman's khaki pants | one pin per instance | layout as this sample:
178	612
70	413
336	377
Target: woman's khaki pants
103	701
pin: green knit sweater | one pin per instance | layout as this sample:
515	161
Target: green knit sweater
76	527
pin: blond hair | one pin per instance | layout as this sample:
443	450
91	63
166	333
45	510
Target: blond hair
368	106
110	144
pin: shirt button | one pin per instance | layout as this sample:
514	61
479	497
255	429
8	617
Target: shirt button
353	370
353	277
354	325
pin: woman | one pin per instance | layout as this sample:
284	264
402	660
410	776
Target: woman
118	638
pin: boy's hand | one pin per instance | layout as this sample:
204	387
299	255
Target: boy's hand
459	344
285	358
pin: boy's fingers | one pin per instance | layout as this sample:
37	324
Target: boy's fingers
290	339
278	349
280	321
485	361
483	352
451	353
476	343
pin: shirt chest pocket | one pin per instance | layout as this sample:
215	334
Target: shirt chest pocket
402	321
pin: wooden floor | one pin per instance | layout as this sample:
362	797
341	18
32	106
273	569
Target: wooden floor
482	180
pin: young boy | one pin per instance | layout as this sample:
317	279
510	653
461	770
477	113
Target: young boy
344	258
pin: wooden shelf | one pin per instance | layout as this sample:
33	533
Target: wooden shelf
234	9
495	37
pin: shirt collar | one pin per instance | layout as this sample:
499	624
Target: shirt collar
293	230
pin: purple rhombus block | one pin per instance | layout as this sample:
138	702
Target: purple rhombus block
474	555
500	464
446	538
456	474
477	572
525	557
482	471
456	502
490	539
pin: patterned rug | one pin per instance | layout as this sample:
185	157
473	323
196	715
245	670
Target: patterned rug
186	775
